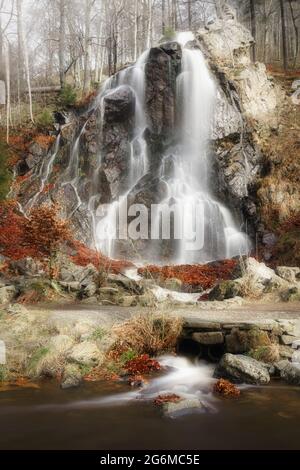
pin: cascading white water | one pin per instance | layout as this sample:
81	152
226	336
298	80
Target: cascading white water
45	172
186	168
134	77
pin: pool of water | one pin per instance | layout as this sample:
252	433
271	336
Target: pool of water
111	416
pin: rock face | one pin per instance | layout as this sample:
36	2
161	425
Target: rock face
162	68
118	122
239	369
105	134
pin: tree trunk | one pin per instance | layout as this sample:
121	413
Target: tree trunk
61	46
253	28
136	27
7	67
190	14
163	16
24	54
284	38
87	59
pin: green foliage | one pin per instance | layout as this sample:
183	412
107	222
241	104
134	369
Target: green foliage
45	119
68	96
169	34
127	356
98	333
5	174
36	357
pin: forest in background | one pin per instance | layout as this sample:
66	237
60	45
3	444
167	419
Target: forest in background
76	44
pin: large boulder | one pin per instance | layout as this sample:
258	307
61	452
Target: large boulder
290	274
117	132
119	104
239	369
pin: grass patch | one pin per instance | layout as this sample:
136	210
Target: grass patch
98	334
36	358
150	334
268	354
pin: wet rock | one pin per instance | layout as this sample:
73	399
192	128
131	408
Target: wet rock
161	70
119	104
239	369
86	353
118	125
291	373
72	377
183	406
225	290
209	337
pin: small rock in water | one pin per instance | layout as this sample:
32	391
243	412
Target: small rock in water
185	405
72	377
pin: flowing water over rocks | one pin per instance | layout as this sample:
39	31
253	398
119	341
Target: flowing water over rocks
147	139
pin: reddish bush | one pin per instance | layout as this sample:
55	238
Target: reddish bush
12	232
141	365
85	255
225	388
205	276
167	398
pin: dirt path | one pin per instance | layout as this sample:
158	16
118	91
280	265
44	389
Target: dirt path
106	316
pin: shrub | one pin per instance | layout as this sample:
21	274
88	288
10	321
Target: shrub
226	389
266	353
68	96
150	334
141	365
45	119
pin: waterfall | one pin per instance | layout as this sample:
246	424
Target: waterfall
183	167
186	169
134	77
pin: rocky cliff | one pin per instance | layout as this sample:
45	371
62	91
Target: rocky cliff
93	158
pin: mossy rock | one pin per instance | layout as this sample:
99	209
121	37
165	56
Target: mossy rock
225	290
